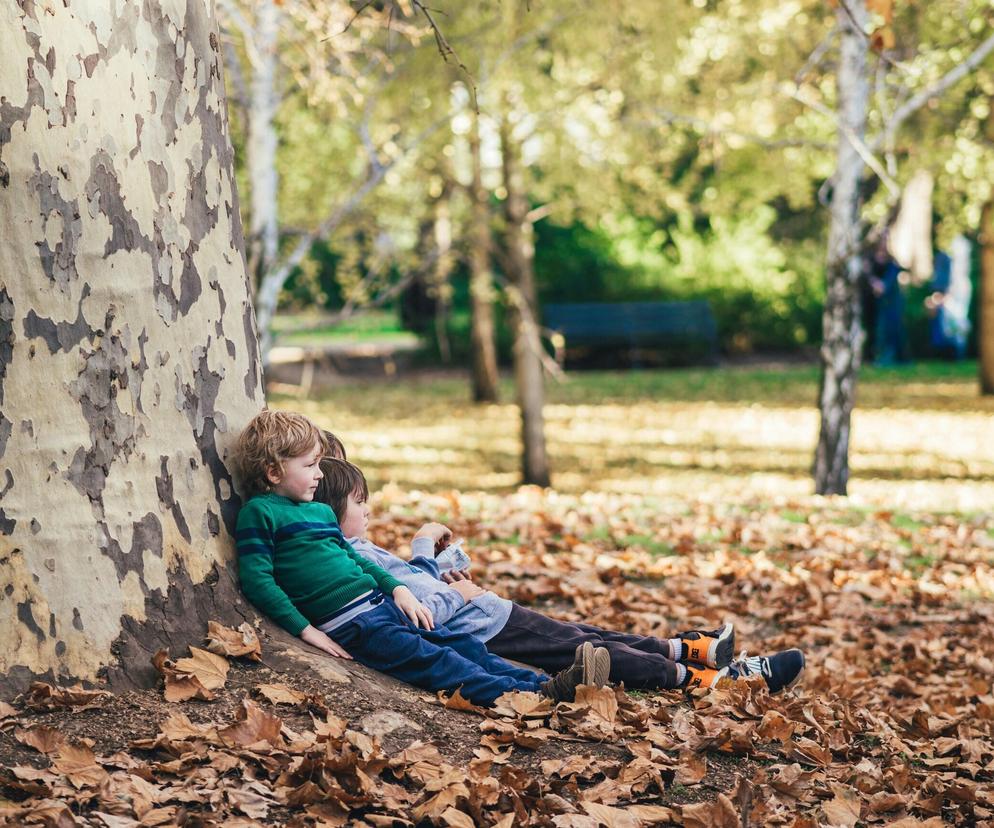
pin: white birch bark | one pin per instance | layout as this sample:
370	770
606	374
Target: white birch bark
262	140
128	351
842	333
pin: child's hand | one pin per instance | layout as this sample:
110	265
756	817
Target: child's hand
467	589
454	575
419	614
316	638
438	533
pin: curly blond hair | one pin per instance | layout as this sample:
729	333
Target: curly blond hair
270	438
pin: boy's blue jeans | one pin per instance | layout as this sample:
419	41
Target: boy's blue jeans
438	659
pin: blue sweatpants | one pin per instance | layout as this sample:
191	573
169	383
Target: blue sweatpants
386	640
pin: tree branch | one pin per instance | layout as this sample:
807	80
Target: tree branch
857	143
919	100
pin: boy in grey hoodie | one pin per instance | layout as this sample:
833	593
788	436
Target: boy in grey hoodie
690	659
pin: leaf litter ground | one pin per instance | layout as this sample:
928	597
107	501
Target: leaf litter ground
893	725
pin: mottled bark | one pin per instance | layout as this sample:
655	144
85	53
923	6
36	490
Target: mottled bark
481	284
842	333
985	303
128	356
529	381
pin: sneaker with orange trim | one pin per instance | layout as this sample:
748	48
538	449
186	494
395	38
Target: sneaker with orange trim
712	648
700	676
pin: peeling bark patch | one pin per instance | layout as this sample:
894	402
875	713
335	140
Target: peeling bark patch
160	179
77	620
9	114
251	375
146	537
139	123
60	336
164	488
6	524
112	432
35	526
59	264
51	625
6	336
198	403
213	524
5	428
28	620
90	63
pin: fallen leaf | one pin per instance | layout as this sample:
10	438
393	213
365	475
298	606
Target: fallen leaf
280	694
718	814
611	817
78	764
42	696
210	669
226	641
40	737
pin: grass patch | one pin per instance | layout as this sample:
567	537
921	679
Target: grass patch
917	564
909	524
657	549
794	517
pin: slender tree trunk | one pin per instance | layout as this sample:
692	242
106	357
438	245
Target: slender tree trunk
442	270
128	358
528	378
481	284
985	306
262	141
842	333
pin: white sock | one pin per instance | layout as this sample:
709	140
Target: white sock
681	674
676	649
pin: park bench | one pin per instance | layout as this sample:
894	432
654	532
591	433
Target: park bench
684	330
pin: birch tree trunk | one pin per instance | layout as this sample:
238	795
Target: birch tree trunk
481	285
528	378
263	241
985	306
842	333
128	356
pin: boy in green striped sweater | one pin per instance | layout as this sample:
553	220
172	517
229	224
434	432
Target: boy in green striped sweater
297	568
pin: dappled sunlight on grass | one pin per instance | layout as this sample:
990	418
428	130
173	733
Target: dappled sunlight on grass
921	442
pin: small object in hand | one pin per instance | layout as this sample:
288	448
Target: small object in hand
453	557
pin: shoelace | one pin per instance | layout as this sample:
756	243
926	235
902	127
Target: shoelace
748	665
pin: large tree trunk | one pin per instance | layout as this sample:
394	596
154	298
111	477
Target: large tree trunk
842	333
263	241
985	306
128	357
481	285
528	378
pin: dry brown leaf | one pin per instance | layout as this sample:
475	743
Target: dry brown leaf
78	764
280	694
456	819
42	696
601	701
253	726
718	814
249	802
210	669
611	817
42	738
178	686
226	641
456	701
692	768
524	705
842	811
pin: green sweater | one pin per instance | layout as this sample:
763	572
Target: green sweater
295	565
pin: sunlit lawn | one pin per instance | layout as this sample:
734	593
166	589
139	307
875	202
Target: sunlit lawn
921	434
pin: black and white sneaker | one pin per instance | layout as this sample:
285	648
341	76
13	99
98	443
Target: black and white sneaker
780	671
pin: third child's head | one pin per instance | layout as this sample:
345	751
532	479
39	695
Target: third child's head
344	488
280	452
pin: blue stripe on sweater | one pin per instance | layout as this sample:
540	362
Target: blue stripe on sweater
315	530
248	547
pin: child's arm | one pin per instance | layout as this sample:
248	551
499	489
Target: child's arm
316	638
419	614
254	542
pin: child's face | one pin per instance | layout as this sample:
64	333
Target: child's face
356	518
299	477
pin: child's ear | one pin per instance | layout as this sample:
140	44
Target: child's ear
274	475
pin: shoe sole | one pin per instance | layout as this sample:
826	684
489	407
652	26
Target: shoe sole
722	648
602	667
589	661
